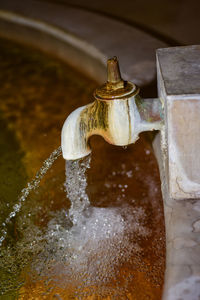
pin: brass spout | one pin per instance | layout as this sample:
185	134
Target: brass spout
118	114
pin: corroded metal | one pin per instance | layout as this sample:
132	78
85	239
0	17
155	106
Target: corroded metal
114	74
118	114
115	87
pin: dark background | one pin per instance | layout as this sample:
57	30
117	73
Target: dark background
175	21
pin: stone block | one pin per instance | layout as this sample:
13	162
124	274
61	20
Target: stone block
178	70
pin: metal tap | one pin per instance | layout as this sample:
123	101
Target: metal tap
118	114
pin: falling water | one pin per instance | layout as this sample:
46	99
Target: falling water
75	185
30	186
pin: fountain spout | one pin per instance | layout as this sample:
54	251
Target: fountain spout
118	114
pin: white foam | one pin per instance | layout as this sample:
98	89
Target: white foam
92	249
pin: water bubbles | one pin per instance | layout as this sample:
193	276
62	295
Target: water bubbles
102	233
2	238
11	215
147	151
17	207
86	253
129	174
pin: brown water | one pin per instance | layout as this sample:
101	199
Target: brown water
43	255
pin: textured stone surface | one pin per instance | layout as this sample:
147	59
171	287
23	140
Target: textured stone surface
180	67
179	163
182	225
178	77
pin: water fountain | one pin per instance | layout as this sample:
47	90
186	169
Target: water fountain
108	247
49	224
120	115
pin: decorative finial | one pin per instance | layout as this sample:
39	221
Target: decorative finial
113	71
115	87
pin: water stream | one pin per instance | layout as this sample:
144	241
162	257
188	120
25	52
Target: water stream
30	186
75	185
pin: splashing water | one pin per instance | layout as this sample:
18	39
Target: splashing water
30	186
80	250
87	254
81	247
